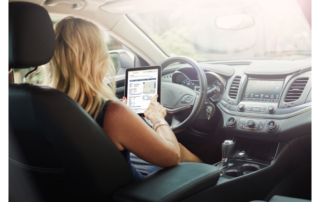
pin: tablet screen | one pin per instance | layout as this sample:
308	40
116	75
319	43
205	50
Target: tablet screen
142	85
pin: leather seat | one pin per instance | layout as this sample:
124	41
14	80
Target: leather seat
284	199
53	142
57	152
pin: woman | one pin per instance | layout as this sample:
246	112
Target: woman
79	66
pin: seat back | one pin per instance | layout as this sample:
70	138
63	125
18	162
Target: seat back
66	155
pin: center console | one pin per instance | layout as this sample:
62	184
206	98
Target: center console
264	112
264	104
242	157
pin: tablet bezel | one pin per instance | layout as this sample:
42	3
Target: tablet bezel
144	68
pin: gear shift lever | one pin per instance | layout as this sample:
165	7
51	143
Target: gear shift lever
227	147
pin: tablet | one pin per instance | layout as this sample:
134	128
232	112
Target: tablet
142	84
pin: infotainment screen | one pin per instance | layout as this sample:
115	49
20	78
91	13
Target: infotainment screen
263	90
141	85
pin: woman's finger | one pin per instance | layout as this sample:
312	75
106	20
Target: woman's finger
124	100
154	98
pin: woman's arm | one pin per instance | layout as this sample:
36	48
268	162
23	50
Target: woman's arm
187	156
128	131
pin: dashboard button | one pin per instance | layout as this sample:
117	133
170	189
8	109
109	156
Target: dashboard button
249	108
187	99
251	124
262	109
241	107
224	103
256	109
289	105
271	109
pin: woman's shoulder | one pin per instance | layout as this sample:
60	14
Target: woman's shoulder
115	108
105	109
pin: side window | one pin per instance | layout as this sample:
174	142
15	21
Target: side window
112	43
118	53
116	61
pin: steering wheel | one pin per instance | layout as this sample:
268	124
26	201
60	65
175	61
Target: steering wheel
176	98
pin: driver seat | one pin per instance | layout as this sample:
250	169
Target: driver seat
53	141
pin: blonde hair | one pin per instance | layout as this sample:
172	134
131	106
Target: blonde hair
80	63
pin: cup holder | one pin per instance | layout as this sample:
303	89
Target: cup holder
231	173
242	170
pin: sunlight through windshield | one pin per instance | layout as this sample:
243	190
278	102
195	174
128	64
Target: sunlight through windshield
267	29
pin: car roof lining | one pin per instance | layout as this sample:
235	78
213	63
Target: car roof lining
115	24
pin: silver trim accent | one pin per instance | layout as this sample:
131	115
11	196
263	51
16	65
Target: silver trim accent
250	160
227	142
267	116
173	111
285	84
251	164
242	84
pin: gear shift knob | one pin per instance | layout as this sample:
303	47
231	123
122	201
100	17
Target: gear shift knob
226	148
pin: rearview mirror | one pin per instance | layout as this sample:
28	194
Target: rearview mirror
235	22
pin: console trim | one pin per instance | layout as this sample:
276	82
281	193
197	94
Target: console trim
267	116
242	85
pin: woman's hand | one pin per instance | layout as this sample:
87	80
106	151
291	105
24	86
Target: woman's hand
155	110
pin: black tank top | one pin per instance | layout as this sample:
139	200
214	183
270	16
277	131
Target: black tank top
125	153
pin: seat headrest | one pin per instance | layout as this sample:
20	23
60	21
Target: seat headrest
31	35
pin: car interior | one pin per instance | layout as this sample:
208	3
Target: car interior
247	116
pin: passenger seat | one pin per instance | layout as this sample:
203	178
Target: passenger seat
283	199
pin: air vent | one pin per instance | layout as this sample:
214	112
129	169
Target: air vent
233	91
296	89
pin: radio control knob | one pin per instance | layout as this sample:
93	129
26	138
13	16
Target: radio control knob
231	122
241	107
271	125
271	109
251	124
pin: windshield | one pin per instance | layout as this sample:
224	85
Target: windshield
229	30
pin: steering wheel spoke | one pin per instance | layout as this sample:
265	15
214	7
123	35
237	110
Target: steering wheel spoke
176	120
177	110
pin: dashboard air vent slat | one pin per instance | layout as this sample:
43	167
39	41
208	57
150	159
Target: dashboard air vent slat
233	91
296	89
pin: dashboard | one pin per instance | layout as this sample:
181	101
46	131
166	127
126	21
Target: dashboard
257	99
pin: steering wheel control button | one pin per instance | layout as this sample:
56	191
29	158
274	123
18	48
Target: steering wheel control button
241	108
271	125
187	99
231	122
251	124
271	109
